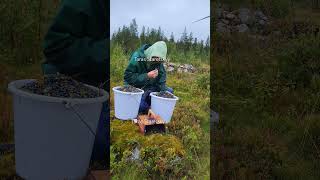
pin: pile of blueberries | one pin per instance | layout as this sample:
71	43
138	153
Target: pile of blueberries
129	88
164	94
59	85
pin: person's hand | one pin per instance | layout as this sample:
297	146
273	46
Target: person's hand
153	74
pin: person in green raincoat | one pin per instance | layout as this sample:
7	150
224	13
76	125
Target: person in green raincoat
76	44
146	71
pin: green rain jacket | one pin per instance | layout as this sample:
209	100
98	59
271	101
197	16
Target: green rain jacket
77	42
136	72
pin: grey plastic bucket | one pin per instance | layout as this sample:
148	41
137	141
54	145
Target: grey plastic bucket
126	104
51	142
164	107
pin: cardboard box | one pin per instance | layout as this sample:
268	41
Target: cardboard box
151	123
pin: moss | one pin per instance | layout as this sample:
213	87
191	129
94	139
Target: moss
124	132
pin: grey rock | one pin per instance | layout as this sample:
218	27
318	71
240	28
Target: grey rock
236	21
245	15
230	16
260	15
170	69
242	28
189	68
182	68
224	21
222	28
172	64
224	14
262	22
135	154
214	117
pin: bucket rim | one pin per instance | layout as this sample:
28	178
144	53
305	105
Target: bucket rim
115	89
167	99
13	88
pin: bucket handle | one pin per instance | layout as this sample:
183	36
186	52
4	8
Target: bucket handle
70	105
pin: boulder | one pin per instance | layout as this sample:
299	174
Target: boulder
242	28
189	68
172	64
260	15
262	22
170	69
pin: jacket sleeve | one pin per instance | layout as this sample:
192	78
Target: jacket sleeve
132	76
162	78
66	45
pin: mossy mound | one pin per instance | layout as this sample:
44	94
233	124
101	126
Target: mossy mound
124	132
159	154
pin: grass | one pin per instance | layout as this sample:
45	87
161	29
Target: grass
268	100
183	152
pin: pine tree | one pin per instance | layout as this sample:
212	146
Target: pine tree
143	35
171	37
207	45
195	44
133	28
159	34
184	40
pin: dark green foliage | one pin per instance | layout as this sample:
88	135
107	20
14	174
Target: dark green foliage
23	25
274	8
299	62
267	95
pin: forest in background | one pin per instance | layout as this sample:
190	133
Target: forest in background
180	49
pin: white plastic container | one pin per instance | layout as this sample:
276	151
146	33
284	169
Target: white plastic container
163	106
126	104
50	140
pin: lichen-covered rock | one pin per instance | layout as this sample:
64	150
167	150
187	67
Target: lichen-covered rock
170	69
230	16
242	28
182	68
260	15
241	20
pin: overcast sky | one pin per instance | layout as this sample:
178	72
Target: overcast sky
170	15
